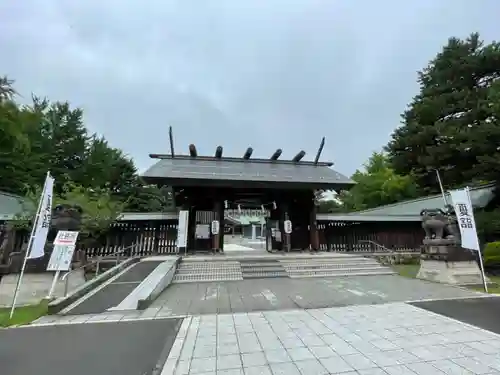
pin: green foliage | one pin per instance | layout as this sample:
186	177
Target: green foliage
491	253
378	185
453	123
87	170
100	210
488	224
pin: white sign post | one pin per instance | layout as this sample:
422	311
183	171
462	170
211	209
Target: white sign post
182	230
62	254
465	216
287	226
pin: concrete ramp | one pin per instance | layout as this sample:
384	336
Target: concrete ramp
137	284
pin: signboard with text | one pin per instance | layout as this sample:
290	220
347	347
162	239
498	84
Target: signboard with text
64	248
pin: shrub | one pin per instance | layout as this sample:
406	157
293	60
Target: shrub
491	254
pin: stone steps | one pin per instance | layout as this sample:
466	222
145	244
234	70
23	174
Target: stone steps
332	272
207	272
262	269
298	267
213	270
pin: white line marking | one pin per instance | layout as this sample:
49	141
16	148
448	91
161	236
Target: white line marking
356	292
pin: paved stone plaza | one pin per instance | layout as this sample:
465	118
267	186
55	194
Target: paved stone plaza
389	339
364	325
284	293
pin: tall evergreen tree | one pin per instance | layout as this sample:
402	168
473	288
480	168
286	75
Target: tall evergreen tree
449	125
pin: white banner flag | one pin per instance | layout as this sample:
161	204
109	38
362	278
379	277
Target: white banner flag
43	220
465	216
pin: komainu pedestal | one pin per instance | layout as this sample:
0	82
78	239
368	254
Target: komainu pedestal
442	257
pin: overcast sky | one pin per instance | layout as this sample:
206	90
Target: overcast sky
237	73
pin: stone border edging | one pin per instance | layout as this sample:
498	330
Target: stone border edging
163	284
61	303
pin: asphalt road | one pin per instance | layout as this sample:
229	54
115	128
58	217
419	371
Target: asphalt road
480	312
125	348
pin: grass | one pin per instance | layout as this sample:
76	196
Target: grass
406	270
411	270
23	314
492	289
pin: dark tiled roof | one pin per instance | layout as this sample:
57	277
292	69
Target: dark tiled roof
226	169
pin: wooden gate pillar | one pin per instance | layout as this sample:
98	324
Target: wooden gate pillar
219	216
286	237
313	228
191	237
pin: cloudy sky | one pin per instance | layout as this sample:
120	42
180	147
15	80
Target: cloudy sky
265	73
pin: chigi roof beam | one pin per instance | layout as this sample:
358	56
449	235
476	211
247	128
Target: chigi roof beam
320	150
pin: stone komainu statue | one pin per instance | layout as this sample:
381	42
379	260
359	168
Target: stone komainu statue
439	224
65	217
442	236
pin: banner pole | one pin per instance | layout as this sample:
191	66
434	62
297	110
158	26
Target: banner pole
441	188
481	265
28	249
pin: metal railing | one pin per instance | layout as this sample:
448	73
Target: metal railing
376	246
97	262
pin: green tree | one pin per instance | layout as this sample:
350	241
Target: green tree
378	184
60	139
16	155
100	210
7	91
150	198
449	125
48	136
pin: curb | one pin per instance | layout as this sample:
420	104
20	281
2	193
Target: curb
163	284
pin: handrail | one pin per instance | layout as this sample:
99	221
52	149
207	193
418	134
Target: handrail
97	262
377	245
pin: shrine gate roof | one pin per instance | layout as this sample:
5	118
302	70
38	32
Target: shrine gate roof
182	169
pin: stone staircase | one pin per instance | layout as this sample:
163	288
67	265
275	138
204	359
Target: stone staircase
262	268
331	267
233	268
217	270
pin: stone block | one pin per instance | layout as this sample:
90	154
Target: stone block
447	272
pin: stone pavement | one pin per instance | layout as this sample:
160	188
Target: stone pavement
35	287
390	339
284	293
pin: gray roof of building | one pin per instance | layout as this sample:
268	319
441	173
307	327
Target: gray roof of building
480	197
233	169
11	205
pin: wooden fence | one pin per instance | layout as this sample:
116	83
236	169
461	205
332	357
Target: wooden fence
159	237
365	236
148	237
